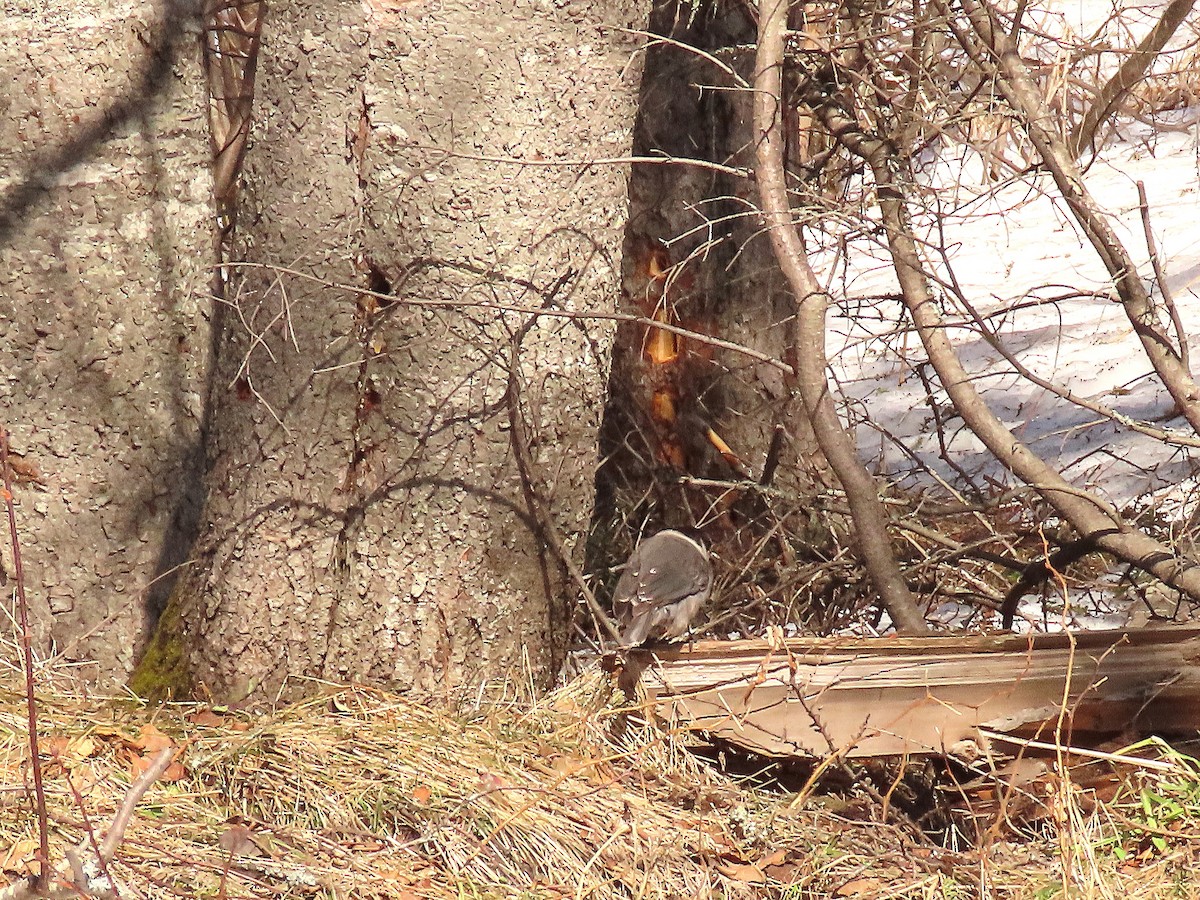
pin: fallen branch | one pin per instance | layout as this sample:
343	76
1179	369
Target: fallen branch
928	695
82	878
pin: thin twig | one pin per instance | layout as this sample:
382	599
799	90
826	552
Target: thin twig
1161	278
89	836
586	163
537	508
27	652
645	321
1157	765
133	796
993	339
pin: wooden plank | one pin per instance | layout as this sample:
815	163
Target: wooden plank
895	696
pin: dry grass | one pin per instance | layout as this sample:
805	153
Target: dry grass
357	793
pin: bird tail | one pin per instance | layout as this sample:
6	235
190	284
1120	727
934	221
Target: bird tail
637	632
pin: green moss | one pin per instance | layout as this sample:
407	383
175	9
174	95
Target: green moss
162	673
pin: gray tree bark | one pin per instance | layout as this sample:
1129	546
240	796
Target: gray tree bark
105	252
367	516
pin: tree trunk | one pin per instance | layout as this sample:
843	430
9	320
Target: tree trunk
105	225
367	516
695	433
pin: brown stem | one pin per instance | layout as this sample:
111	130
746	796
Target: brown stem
537	509
232	39
89	836
1093	519
1127	75
39	790
985	42
1161	278
868	514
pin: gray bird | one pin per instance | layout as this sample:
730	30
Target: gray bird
665	582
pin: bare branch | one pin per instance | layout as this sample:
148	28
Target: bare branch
133	796
1097	522
663	160
869	516
1134	66
987	41
1161	277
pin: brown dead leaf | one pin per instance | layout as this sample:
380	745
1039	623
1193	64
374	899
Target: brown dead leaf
151	740
79	749
111	732
206	718
406	877
773	859
174	772
747	873
858	887
57	745
489	781
71	752
565	765
19	857
140	763
786	873
238	840
755	872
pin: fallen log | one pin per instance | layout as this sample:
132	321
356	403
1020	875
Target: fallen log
921	695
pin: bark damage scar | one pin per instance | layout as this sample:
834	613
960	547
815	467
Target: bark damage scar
368	306
345	553
358	138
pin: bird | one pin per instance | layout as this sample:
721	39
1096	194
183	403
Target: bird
668	578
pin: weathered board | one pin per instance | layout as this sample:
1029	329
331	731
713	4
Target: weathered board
908	695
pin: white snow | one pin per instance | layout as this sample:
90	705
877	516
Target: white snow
1019	258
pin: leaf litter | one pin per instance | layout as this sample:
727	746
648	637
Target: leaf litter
361	793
